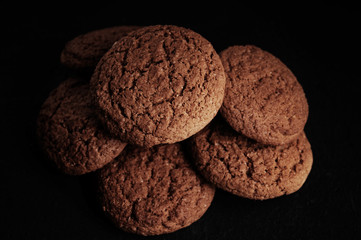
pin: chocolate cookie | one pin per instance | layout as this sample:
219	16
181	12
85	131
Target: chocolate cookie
249	169
153	191
263	99
159	84
70	132
86	50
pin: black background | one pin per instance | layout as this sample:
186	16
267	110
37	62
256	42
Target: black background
319	44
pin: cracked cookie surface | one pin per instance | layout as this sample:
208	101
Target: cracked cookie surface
249	169
263	99
159	84
85	50
153	191
70	133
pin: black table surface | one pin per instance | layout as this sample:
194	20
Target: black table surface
320	46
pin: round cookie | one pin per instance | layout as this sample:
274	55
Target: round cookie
249	169
70	133
263	99
153	191
159	84
85	51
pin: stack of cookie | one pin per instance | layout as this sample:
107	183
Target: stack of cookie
259	150
153	97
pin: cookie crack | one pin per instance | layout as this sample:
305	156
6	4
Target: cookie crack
250	169
226	164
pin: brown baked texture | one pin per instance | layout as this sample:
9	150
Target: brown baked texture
85	51
159	84
153	191
263	99
70	133
249	169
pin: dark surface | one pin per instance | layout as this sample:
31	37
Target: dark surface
320	46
